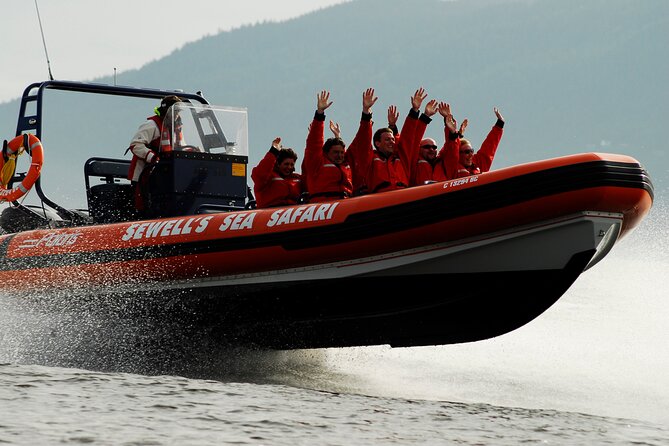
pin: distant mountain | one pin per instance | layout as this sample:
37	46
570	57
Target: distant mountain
569	76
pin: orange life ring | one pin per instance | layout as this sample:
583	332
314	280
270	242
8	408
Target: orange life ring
31	144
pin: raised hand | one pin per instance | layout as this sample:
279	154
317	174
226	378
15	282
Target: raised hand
445	109
463	127
418	98
368	100
277	143
498	114
323	101
393	116
431	107
449	121
335	129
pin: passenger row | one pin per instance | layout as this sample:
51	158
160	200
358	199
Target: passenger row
383	161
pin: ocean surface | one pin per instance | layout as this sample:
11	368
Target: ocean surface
593	369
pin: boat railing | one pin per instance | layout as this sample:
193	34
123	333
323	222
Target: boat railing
30	120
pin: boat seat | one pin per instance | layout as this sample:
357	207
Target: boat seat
113	200
107	168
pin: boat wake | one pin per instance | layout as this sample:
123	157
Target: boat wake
61	330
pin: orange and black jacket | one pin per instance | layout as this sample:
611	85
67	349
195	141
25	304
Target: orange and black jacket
383	173
450	166
326	181
270	188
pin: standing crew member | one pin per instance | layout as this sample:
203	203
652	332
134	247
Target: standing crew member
145	147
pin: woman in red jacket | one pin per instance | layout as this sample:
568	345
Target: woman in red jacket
459	159
275	182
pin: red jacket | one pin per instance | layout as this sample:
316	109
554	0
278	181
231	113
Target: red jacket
422	169
326	181
383	173
270	188
451	168
363	138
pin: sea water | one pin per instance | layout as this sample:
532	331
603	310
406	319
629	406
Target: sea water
593	369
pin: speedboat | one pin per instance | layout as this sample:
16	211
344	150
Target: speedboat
448	262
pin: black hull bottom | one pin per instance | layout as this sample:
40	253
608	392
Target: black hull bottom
430	310
426	310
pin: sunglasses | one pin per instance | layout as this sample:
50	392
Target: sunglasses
429	146
469	151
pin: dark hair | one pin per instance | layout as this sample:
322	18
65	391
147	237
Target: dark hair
381	131
166	103
286	153
333	142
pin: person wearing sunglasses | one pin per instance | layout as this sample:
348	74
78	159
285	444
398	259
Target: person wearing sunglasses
420	153
389	160
425	156
459	158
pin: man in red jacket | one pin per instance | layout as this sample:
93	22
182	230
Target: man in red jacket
422	152
327	173
387	165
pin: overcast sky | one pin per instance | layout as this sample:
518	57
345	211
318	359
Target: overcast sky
89	38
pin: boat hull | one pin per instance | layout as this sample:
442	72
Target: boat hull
447	294
445	263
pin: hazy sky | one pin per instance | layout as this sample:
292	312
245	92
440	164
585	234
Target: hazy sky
89	38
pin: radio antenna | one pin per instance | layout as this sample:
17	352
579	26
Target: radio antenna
48	63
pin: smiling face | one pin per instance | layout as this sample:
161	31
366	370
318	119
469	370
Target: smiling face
466	153
285	167
285	162
334	150
385	142
428	149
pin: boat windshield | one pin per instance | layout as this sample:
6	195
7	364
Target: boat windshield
206	128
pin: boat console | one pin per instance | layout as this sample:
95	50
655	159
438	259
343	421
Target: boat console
188	183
